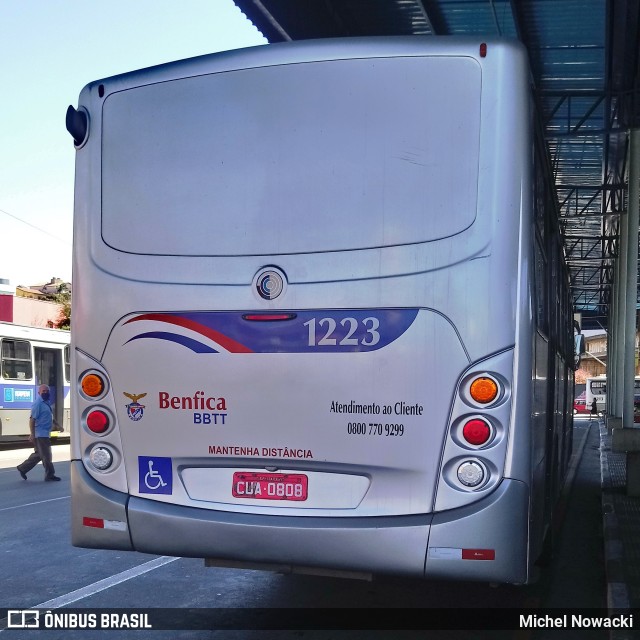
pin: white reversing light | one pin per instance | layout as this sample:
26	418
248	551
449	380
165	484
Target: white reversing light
470	473
101	458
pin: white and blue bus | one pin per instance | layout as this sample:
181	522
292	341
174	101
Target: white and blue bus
596	389
29	357
321	317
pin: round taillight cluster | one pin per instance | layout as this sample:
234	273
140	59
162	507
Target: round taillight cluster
97	419
483	391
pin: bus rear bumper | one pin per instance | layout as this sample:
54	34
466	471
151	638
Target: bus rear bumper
98	514
486	541
361	546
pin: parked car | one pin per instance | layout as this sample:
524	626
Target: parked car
580	404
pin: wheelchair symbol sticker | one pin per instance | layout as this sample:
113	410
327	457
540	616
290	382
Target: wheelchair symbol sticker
155	475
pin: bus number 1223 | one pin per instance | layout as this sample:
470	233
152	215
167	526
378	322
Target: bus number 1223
371	338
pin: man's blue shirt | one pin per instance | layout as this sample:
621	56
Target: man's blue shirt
42	413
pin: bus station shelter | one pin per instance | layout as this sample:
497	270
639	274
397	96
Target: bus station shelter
585	78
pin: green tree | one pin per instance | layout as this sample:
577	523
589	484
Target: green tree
63	297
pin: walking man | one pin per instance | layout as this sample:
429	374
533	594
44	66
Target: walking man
40	424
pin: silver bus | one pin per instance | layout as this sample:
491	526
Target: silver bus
29	357
321	316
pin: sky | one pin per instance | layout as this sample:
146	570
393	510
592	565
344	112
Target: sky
49	50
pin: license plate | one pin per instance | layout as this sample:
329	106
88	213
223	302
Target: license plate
269	486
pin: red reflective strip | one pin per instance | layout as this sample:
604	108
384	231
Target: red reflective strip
93	522
478	554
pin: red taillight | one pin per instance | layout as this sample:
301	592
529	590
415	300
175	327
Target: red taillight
98	421
476	432
268	317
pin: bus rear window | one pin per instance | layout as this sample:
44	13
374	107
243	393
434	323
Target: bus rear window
309	157
16	360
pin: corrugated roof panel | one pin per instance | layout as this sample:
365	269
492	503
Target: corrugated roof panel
566	41
379	17
467	17
561	23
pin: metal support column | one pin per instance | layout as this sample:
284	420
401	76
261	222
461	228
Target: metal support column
628	439
631	286
613	410
619	327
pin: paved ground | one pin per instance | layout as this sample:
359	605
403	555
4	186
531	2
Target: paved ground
621	524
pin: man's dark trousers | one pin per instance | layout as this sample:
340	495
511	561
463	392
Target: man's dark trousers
42	452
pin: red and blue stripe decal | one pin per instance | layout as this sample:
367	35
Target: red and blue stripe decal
193	322
307	331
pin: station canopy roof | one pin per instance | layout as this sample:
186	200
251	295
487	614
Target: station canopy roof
584	58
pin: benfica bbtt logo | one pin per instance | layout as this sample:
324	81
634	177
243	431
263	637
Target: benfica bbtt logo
135	410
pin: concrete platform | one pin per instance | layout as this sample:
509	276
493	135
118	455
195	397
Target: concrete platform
621	526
